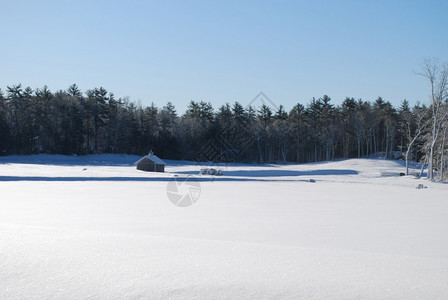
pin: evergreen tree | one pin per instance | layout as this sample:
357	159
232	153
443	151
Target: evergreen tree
4	128
297	121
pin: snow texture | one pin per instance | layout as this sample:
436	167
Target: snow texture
95	227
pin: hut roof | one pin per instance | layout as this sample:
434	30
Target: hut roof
153	158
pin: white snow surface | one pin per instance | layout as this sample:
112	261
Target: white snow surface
94	227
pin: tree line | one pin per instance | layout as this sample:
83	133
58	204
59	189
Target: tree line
75	122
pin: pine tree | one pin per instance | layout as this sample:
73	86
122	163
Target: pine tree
4	128
297	121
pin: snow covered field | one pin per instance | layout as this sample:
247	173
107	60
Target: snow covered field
95	227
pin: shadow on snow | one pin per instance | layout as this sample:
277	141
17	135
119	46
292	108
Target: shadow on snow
281	173
255	175
141	179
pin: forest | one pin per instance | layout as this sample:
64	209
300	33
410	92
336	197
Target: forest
71	122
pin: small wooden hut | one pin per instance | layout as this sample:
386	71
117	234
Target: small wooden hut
150	163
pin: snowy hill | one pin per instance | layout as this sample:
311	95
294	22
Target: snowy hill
95	227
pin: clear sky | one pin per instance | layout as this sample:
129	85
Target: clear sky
224	51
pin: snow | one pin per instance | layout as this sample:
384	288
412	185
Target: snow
95	227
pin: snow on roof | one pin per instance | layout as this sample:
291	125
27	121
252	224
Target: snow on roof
152	157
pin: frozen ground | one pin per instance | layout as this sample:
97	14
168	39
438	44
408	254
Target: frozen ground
95	227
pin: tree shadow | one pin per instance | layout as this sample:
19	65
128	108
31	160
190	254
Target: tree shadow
107	160
138	179
281	173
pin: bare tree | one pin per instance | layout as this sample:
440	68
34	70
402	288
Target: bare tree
421	123
442	156
437	76
442	127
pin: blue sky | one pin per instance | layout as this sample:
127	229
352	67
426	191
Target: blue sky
224	51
